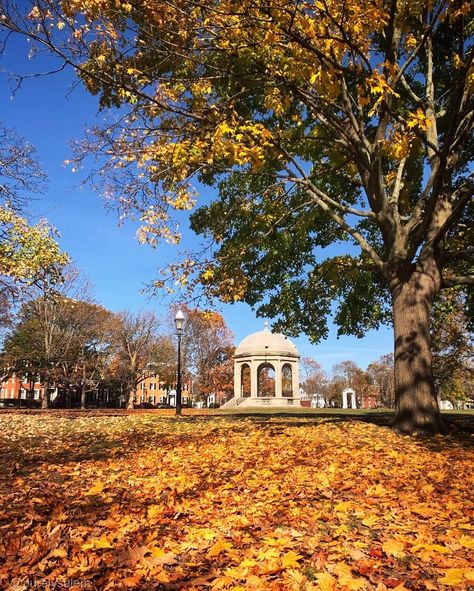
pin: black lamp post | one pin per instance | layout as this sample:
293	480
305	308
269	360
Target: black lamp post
179	323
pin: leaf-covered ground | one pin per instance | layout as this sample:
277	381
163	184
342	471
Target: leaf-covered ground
142	501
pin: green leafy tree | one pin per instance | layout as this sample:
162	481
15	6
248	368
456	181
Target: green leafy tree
323	123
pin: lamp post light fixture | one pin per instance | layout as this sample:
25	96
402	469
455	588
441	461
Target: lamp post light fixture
179	324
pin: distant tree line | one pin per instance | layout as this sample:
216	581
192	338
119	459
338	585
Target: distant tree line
453	362
61	338
376	381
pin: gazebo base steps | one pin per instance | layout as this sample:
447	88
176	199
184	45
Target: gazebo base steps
260	402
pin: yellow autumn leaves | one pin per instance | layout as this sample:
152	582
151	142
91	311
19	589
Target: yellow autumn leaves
220	86
341	578
27	250
278	504
458	577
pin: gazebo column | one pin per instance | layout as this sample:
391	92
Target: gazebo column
295	376
237	380
254	378
278	379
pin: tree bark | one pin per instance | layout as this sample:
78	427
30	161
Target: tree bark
83	396
416	405
131	398
45	398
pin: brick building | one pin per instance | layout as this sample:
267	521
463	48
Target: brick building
21	388
152	390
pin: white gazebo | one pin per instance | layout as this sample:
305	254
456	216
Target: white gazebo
266	371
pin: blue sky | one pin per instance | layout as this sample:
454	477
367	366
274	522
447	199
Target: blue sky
49	116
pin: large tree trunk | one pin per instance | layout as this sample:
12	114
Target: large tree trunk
131	398
416	405
46	396
83	396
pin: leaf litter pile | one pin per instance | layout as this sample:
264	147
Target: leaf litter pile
143	501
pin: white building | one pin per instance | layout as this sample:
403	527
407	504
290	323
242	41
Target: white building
446	405
266	371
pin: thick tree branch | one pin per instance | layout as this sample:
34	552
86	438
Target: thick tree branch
347	134
430	112
365	246
461	198
457	280
459	254
332	202
417	215
427	34
411	93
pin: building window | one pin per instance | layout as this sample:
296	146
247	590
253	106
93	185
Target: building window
151	399
37	393
153	386
22	393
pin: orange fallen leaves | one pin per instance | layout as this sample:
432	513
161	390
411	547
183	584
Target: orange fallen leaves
457	576
395	548
218	547
142	501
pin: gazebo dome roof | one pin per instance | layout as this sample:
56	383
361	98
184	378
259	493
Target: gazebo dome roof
265	342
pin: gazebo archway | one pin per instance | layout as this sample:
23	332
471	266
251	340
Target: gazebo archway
266	381
245	381
286	380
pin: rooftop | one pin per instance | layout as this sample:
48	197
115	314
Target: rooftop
265	342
